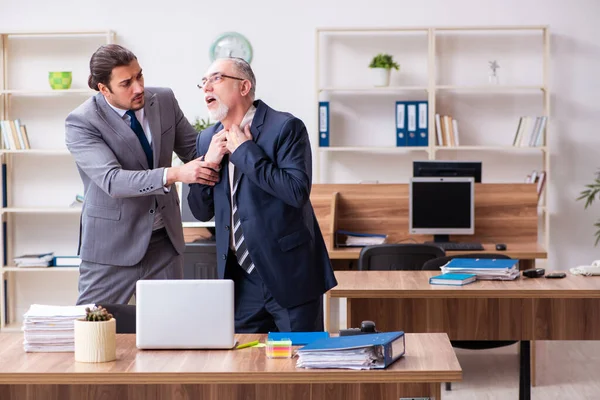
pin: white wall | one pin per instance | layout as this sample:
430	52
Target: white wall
171	40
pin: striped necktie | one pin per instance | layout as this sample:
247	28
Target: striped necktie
241	250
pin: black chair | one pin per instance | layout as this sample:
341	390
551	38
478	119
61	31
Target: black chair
397	257
434	265
125	316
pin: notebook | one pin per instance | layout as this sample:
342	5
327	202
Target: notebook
185	314
452	279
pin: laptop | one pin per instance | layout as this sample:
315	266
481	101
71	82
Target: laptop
185	314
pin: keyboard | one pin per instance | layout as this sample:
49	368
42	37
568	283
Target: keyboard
458	245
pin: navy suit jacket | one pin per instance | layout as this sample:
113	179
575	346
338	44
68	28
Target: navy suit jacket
273	197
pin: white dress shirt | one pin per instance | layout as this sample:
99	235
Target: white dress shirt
247	120
141	117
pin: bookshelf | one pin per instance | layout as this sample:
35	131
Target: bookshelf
39	183
447	66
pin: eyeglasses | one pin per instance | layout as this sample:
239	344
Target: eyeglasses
216	78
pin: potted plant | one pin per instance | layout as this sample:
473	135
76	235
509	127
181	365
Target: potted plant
380	69
95	336
201	124
589	195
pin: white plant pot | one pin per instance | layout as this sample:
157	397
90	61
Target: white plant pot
380	76
95	341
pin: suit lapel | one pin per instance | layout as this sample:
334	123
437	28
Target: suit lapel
256	127
152	112
258	120
120	127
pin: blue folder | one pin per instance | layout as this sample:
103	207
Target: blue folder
298	338
392	345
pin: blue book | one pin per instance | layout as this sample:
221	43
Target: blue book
366	351
452	279
298	338
481	263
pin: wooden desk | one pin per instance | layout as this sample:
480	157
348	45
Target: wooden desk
524	309
504	213
219	374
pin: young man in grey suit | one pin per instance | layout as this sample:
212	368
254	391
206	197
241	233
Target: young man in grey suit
268	238
122	140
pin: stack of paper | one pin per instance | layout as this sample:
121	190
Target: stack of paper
352	239
51	328
484	268
34	260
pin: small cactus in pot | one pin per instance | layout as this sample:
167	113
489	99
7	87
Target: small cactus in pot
96	336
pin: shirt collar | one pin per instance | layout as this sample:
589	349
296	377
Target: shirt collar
139	114
248	117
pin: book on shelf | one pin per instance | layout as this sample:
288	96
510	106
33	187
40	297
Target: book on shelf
358	239
446	131
14	135
367	351
453	279
539	178
34	260
530	131
66	261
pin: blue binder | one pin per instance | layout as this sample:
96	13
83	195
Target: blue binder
486	263
391	346
411	124
400	123
422	123
324	124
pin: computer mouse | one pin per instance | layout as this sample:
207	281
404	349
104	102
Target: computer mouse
500	247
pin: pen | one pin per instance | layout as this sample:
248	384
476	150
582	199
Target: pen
249	344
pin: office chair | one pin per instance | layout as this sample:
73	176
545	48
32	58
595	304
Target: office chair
125	316
397	257
434	265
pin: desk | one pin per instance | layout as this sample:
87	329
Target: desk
524	309
504	213
219	374
526	253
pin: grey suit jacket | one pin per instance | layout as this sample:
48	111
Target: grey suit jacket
121	194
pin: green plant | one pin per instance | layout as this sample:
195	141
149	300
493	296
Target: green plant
201	124
384	61
589	195
98	313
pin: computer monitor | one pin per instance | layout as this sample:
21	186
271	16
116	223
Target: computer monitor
448	169
441	207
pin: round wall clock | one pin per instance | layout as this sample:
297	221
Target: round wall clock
231	44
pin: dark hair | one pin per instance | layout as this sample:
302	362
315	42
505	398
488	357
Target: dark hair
104	60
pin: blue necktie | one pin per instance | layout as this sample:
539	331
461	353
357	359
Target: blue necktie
139	131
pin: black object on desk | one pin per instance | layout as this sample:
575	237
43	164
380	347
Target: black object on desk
534	272
556	275
500	247
461	246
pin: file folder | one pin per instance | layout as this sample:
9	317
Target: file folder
367	351
324	124
423	124
411	124
400	123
